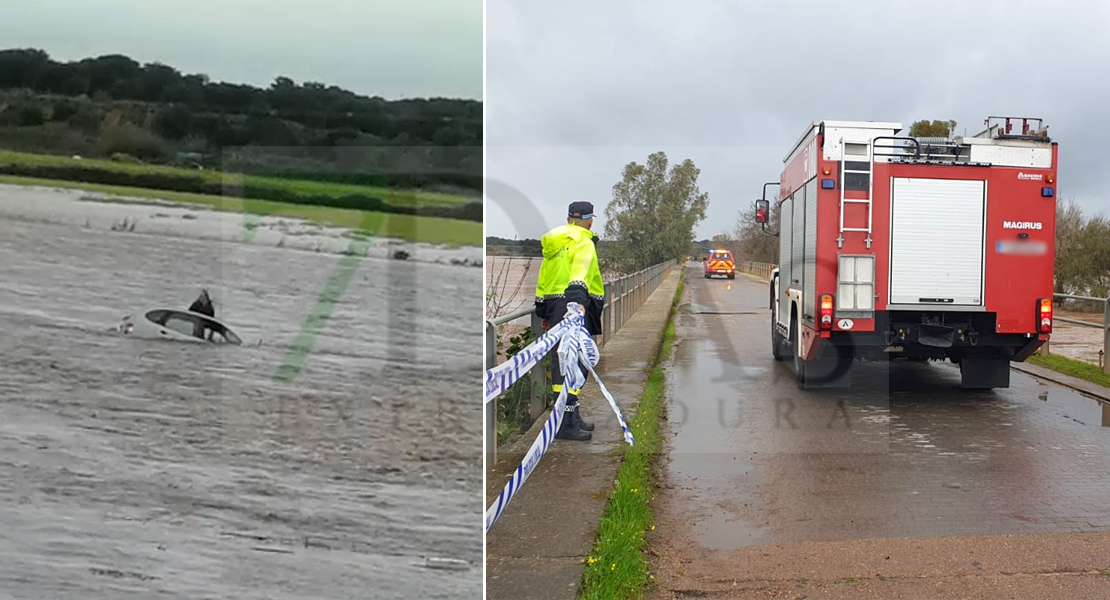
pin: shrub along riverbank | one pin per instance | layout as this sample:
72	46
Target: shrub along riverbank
250	187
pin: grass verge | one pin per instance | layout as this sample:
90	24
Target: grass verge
617	567
433	230
393	196
1068	366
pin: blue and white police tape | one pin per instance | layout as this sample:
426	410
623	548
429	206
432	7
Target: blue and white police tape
502	377
575	346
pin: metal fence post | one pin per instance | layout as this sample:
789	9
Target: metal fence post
641	288
618	305
607	313
1106	339
538	375
491	407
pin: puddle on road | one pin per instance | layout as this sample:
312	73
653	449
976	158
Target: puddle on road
713	309
721	532
1077	407
705	466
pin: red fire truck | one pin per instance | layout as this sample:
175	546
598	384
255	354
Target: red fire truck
914	248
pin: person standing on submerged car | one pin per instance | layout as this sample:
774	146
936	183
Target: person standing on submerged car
202	305
570	273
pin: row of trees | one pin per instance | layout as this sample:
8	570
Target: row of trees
313	104
107	105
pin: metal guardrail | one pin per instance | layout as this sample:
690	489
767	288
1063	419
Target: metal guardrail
757	268
623	297
1104	354
764	270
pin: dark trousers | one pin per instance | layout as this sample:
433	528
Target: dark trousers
555	313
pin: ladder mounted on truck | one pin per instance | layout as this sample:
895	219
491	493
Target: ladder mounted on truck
856	170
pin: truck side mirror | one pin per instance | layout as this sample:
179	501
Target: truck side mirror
761	208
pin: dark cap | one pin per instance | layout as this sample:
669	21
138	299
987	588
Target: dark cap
581	210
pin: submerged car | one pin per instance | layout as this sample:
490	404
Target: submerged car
182	325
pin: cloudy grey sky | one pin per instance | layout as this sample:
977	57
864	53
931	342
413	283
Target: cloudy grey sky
388	48
577	89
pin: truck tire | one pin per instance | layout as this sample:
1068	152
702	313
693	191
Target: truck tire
732	275
832	370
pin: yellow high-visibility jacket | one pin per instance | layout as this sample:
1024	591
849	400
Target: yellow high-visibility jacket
569	273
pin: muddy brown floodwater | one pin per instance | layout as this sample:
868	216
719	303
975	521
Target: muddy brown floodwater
143	468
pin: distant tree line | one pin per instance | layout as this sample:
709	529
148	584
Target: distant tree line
496	246
113	105
1082	252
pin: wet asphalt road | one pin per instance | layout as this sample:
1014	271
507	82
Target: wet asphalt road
134	468
905	453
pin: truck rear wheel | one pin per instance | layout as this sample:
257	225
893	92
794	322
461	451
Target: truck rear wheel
832	370
984	373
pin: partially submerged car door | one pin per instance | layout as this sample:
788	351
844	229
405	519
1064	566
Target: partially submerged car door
193	325
221	334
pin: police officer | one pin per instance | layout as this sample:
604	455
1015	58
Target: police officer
569	273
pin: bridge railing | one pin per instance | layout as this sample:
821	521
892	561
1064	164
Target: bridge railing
623	297
1104	354
757	268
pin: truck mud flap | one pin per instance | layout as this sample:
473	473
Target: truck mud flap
832	370
984	373
937	336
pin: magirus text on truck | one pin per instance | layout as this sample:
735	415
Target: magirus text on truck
894	247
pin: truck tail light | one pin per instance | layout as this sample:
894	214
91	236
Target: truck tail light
826	311
1044	315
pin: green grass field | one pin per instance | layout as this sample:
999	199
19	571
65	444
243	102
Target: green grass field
433	230
395	197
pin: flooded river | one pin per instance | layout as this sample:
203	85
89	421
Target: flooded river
330	456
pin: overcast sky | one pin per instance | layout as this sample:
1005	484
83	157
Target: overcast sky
577	89
388	48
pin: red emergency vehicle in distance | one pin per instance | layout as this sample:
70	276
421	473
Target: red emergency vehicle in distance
916	248
720	262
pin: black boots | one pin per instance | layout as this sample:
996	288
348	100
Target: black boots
581	423
571	428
